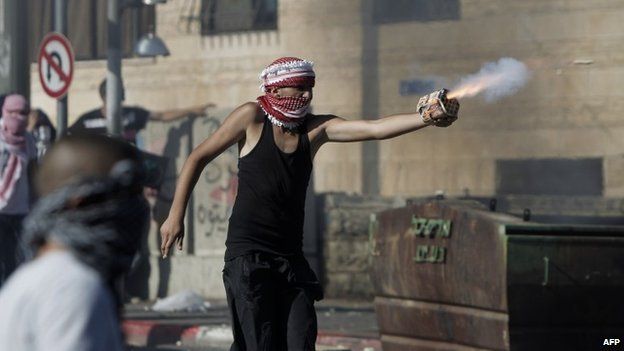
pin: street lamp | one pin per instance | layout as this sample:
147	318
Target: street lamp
152	46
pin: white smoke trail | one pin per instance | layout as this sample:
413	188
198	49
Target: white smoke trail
495	80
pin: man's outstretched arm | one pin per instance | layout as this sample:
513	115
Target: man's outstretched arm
172	115
341	130
231	131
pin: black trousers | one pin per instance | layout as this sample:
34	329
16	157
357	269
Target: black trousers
271	299
10	250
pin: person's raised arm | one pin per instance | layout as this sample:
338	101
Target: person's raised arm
172	115
341	130
231	131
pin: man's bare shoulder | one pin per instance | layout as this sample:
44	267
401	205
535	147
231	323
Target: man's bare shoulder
247	114
249	110
320	121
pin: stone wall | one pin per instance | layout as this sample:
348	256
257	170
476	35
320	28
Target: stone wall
345	237
198	265
571	107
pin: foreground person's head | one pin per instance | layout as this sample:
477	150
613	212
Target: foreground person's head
91	203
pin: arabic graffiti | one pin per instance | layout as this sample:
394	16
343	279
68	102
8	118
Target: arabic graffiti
221	182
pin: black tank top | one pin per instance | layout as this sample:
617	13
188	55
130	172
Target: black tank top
269	207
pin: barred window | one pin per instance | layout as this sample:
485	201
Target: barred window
87	26
226	16
392	11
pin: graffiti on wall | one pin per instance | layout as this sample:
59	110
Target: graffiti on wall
221	179
212	199
217	188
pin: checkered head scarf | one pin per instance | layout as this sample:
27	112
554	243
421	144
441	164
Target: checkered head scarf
288	112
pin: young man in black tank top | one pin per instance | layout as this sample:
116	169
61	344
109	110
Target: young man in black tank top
269	285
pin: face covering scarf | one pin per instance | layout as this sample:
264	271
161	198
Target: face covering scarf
12	136
287	112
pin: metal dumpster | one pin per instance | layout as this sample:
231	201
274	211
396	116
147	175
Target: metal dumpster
452	275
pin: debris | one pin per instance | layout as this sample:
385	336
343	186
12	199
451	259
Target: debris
187	300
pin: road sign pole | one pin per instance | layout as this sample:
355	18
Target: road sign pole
113	75
60	26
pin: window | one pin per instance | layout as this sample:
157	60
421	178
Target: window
551	176
87	26
392	11
223	16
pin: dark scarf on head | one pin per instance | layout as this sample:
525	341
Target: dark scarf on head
104	231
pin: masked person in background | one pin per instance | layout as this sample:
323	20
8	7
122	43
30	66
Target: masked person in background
41	128
81	238
269	285
18	154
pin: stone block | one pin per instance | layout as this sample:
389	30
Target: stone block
202	274
347	285
613	171
346	255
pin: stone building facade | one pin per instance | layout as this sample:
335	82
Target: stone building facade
372	60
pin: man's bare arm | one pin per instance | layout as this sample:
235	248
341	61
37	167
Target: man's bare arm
231	131
172	115
341	130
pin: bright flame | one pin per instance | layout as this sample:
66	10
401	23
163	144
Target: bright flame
475	87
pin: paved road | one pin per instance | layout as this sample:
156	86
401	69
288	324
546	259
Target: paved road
342	326
176	348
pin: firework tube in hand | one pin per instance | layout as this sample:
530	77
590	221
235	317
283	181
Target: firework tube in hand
438	100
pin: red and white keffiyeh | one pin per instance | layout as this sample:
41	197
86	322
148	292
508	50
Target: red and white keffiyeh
288	112
10	175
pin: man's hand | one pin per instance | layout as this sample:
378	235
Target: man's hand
201	110
435	115
437	109
170	232
444	120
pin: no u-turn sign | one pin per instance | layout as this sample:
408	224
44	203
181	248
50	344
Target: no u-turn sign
56	64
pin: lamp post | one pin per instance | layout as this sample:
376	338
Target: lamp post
113	74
